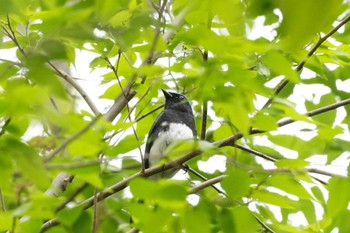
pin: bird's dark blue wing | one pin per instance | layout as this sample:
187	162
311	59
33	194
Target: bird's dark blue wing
170	116
156	127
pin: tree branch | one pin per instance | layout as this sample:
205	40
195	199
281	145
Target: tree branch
11	34
59	184
120	103
77	87
207	183
72	196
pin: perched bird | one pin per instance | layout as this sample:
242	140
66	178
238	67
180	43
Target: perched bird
175	122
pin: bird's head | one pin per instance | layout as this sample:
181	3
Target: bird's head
176	101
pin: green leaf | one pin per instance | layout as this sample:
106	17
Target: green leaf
89	175
244	221
143	189
264	122
339	195
121	19
299	27
27	160
274	199
171	194
53	49
82	223
308	209
6	221
31	225
318	194
143	217
291	163
281	66
98	62
127	144
191	223
89	144
328	117
237	183
180	147
68	216
290	185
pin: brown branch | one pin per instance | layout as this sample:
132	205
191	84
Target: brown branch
138	102
196	173
77	87
59	184
11	34
67	166
2	201
71	196
256	153
318	111
133	230
3	128
120	103
204	119
207	183
301	171
94	221
150	57
149	113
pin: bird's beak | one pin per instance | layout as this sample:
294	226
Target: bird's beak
167	94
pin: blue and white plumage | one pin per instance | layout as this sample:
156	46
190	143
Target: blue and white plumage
175	122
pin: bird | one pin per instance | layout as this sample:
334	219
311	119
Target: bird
175	122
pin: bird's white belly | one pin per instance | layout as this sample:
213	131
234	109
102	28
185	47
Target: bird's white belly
176	131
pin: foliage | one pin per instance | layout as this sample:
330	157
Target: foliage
230	57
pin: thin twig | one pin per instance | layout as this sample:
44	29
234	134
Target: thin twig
207	183
318	111
71	139
67	166
266	228
71	196
3	208
12	62
94	221
120	103
149	113
3	128
115	71
300	66
301	171
11	34
133	230
77	87
138	102
267	157
196	173
149	59
204	119
254	152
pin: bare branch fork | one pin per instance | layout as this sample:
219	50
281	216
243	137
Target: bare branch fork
177	163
